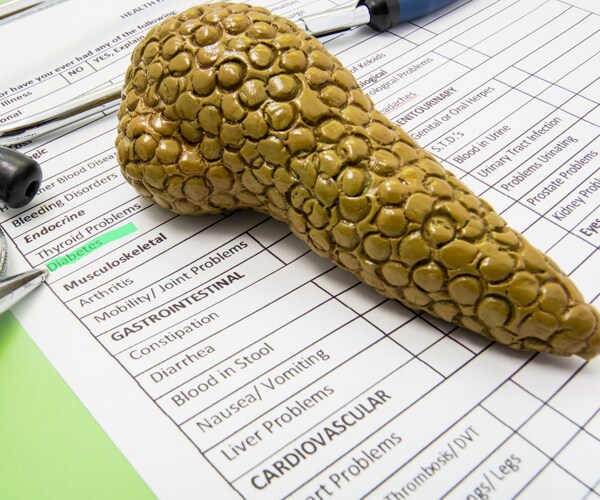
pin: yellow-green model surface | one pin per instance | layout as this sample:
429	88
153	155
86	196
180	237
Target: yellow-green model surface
226	106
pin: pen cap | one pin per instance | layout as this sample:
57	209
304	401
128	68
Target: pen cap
384	13
415	9
20	178
388	13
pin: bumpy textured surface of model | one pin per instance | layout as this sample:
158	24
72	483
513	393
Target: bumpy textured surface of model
227	106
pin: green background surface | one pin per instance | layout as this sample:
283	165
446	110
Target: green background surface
50	445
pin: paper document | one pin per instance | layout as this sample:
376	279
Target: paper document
227	360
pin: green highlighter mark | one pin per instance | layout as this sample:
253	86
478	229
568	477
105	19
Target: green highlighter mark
95	244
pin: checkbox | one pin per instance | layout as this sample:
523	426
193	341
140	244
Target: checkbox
569	252
553	482
419	36
289	248
475	343
269	232
450	49
587	470
520	217
512	405
592	91
336	281
446	356
404	30
579	105
594	115
549	431
498	200
512	76
543	234
471	58
416	335
533	86
593	426
545	374
582	274
573	399
361	298
556	95
389	316
439	323
475	184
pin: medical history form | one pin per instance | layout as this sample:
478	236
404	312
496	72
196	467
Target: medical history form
227	360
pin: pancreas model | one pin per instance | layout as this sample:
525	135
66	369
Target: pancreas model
226	106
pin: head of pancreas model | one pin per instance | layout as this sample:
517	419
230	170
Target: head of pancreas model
227	106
